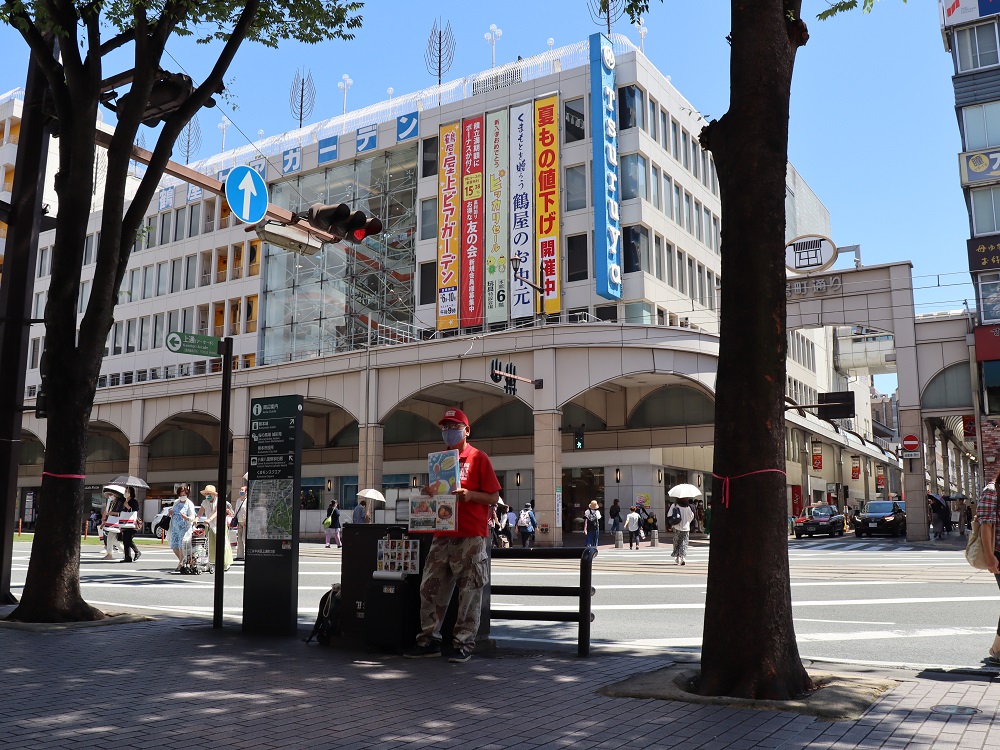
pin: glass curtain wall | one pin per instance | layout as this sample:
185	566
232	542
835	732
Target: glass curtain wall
336	300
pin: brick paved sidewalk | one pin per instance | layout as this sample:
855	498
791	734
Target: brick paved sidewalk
175	683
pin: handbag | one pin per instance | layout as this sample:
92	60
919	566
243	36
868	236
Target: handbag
327	522
974	552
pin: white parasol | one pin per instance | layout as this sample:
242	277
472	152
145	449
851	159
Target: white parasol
372	495
684	490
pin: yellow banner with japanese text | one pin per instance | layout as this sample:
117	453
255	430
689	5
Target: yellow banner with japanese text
547	201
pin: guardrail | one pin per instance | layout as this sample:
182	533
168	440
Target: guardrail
584	592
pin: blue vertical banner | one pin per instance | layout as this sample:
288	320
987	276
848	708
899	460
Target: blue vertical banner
604	136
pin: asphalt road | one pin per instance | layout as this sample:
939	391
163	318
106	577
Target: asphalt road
880	601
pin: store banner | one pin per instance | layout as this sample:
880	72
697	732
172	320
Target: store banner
607	212
880	476
547	201
497	211
471	297
969	426
522	209
855	467
817	456
449	227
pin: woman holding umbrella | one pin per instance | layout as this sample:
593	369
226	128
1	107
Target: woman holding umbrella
680	515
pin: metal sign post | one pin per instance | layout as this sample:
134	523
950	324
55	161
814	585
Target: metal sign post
224	348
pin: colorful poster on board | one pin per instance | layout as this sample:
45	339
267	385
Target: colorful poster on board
818	456
449	227
471	289
880	476
855	467
547	201
497	211
522	209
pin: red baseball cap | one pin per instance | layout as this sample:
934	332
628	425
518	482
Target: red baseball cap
454	415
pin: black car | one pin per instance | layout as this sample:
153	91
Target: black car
820	519
881	517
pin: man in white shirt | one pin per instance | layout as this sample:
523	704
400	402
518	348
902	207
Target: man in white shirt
632	527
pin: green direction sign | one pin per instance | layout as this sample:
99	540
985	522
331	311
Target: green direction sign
192	343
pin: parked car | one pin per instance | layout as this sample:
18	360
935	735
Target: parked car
881	517
819	519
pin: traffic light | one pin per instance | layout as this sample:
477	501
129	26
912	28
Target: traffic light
169	92
338	219
578	440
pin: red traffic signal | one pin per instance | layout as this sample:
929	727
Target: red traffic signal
338	219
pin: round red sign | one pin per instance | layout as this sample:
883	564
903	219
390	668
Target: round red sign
910	443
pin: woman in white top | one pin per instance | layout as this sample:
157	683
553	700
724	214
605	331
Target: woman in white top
210	513
680	516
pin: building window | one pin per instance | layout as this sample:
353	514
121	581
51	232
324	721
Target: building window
428	283
88	250
191	272
639	313
989	297
576	257
715	177
982	126
658	256
607	313
668	201
655	188
84	297
162	279
675	139
179	223
151	231
429	157
574	120
630	107
634	177
194	220
692	281
711	291
670	266
688	213
576	187
701	286
134	284
698	229
984	209
176	275
144	331
43	262
428	218
116	338
129	336
164	228
677	215
664	131
695	157
977	46
686	149
148	281
653	109
681	286
716	243
635	248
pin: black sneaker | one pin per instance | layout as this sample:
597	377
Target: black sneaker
420	652
461	656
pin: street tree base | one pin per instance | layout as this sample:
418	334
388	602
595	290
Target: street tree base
76	611
836	696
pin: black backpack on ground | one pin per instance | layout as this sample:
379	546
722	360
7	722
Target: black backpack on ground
328	620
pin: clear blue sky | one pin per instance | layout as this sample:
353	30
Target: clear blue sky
873	127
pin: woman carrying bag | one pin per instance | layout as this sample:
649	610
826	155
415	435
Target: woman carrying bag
209	510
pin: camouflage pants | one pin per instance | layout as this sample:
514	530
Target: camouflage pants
453	562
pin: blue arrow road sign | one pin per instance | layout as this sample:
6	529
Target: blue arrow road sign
246	193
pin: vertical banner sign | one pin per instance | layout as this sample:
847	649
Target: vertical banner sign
607	218
818	456
497	237
547	199
270	591
855	467
880	476
449	227
522	209
471	297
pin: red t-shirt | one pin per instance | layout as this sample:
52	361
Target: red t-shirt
476	473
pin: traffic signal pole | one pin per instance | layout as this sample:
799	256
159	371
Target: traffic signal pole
15	302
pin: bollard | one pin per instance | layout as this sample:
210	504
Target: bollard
163	536
85	527
19	527
619	540
654	538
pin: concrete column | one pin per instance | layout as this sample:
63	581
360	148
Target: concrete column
241	461
932	454
548	473
914	481
805	464
838	475
946	461
370	457
138	466
866	473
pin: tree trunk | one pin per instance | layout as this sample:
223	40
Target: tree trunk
749	647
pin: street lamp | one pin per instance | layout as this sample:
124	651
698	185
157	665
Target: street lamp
345	84
642	34
390	91
491	36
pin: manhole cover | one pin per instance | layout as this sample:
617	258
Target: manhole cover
956	710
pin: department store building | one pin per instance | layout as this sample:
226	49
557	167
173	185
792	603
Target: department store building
581	163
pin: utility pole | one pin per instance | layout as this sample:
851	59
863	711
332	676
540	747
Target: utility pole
15	301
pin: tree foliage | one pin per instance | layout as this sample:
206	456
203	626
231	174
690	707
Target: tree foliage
86	33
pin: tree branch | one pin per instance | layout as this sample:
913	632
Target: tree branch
119	41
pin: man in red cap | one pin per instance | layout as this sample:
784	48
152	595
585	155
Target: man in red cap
460	557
